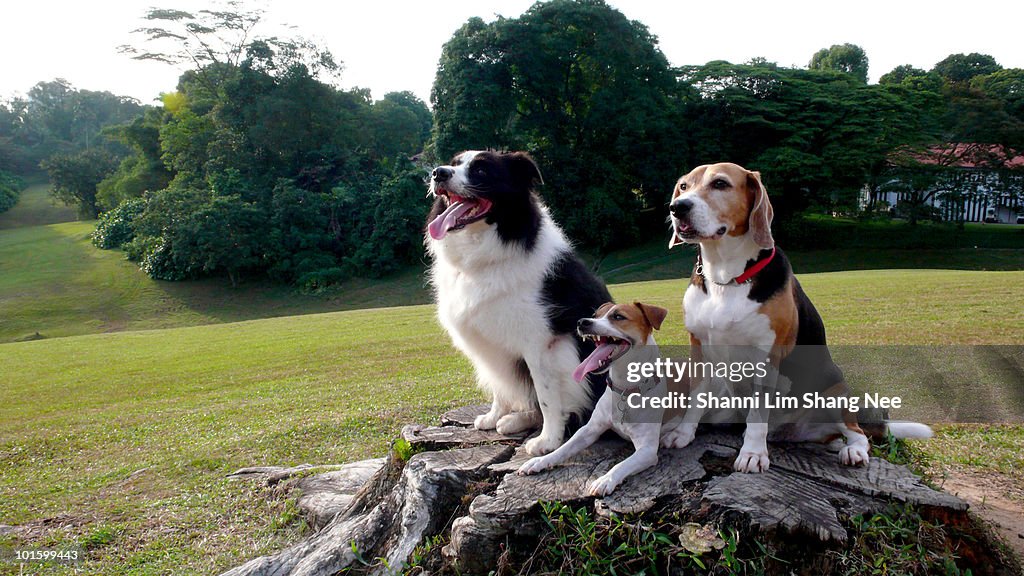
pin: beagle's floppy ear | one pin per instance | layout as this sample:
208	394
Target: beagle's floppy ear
761	214
654	315
603	309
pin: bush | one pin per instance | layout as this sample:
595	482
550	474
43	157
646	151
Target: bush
115	228
10	188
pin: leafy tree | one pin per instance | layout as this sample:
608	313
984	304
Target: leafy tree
397	214
848	58
75	177
816	135
140	171
223	38
263	167
587	92
399	122
1005	85
56	117
472	93
961	68
900	73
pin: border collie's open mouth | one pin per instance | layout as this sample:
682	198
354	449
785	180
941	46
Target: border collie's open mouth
608	350
460	212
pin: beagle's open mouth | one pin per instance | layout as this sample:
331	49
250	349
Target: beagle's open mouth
608	349
461	211
685	231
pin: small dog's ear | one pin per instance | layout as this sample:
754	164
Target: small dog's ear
761	214
524	170
603	309
654	315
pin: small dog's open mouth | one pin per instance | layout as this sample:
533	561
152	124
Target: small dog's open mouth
608	350
461	211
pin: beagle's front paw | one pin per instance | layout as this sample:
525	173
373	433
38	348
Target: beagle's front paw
751	462
854	455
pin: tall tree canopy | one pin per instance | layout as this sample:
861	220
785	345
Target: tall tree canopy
584	89
960	68
848	58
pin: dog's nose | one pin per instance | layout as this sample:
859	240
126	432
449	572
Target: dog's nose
681	208
584	322
442	174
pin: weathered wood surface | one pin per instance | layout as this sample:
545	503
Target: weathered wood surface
461	484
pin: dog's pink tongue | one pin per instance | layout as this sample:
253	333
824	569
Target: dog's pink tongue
593	362
439	226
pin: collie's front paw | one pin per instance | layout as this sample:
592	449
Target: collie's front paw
854	455
515	423
542	445
751	462
487	421
533	465
604	485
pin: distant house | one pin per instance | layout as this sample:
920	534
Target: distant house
957	182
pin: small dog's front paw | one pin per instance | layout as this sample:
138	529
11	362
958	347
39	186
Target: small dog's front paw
854	456
751	462
677	438
486	421
603	486
542	445
532	466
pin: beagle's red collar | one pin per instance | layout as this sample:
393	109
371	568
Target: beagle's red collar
747	275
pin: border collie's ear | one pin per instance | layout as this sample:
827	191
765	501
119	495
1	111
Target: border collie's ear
524	170
654	315
603	309
761	214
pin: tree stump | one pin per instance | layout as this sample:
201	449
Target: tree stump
459	485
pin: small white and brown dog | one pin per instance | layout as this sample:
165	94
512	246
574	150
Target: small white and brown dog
623	334
743	293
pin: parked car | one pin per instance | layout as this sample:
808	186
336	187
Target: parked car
1020	219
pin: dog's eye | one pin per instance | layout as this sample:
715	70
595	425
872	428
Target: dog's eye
618	317
478	171
719	184
682	186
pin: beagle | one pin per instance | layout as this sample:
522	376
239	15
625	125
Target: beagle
743	295
623	335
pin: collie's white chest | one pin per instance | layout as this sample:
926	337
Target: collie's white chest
725	315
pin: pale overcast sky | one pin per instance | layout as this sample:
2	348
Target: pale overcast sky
391	45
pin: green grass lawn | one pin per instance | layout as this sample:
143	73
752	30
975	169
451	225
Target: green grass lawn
35	207
123	440
55	283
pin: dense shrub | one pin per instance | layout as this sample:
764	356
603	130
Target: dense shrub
115	227
10	188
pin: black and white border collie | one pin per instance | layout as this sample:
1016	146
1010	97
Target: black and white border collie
509	291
